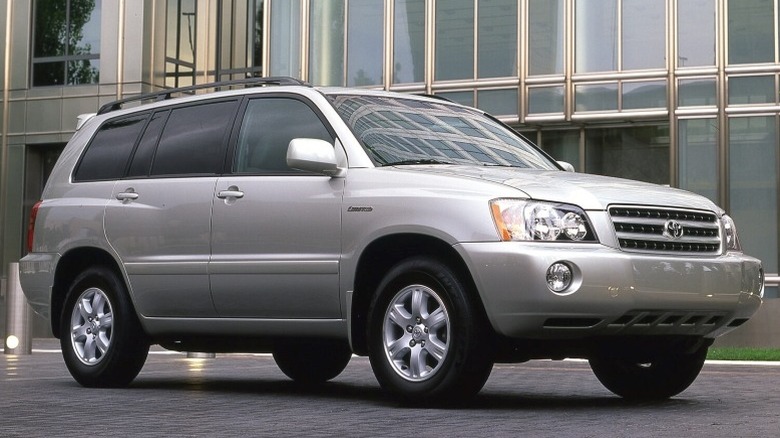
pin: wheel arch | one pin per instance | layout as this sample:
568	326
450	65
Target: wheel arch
379	257
70	265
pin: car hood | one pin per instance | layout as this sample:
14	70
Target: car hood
591	192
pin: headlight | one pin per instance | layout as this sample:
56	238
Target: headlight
518	219
730	233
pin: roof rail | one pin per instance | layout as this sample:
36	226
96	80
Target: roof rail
166	94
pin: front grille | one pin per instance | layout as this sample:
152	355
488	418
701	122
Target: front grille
656	230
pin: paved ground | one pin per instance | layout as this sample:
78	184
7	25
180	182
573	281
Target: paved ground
246	395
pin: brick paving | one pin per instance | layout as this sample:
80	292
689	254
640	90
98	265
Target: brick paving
246	395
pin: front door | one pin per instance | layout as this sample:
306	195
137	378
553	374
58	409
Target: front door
275	230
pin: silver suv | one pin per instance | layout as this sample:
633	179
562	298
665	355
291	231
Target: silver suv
321	223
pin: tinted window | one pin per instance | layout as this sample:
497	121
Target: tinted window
268	126
142	160
193	140
106	156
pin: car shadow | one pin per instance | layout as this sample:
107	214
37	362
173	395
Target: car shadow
373	394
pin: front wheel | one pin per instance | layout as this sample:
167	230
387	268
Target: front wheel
428	339
102	342
665	376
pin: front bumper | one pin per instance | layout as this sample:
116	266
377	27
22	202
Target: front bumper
613	293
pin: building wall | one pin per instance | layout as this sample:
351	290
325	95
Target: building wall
678	92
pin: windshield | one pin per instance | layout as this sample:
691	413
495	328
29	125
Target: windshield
397	131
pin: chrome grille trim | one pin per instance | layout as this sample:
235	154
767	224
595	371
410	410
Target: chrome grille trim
644	229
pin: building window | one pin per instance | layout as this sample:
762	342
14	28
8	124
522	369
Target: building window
596	33
697	141
751	31
563	145
66	42
239	39
545	37
495	35
181	42
637	152
409	42
753	185
696	33
643	38
359	25
697	92
285	38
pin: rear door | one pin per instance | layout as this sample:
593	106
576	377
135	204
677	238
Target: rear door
158	219
276	231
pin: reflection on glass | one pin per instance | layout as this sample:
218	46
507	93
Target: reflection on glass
545	100
563	146
596	97
83	71
751	31
644	34
66	42
637	152
364	45
454	40
497	38
753	185
326	42
498	102
596	32
698	149
697	92
180	43
646	94
695	32
409	42
285	39
751	89
545	37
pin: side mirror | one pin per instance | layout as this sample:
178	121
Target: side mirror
566	166
313	155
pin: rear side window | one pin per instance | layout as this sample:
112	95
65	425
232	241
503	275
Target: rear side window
194	140
107	154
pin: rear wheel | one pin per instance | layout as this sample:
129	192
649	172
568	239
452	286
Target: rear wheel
102	342
428	340
665	376
312	362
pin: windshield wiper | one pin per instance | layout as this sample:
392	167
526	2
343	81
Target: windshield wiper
420	161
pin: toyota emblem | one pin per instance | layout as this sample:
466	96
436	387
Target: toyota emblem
673	230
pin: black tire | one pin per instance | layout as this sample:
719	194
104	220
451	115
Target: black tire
312	362
666	376
102	341
444	354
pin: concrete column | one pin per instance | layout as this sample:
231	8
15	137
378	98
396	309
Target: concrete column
18	320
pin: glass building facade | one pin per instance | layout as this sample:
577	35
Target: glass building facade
677	92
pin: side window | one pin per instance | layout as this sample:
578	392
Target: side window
142	160
107	154
268	126
194	139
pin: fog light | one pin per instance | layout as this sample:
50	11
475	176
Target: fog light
559	277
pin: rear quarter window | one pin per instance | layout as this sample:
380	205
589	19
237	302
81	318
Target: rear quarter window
107	154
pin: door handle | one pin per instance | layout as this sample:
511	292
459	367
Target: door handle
127	196
231	192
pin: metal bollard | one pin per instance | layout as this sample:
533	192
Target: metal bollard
18	318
